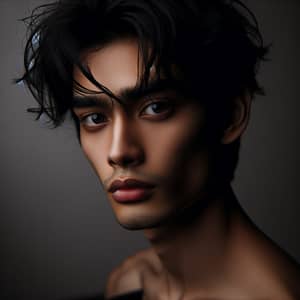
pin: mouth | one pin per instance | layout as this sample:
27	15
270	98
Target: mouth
132	194
130	190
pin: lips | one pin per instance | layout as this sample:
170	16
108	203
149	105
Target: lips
130	190
128	184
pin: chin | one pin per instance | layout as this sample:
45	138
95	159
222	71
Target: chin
145	222
175	216
139	224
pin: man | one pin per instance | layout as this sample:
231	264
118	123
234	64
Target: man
160	93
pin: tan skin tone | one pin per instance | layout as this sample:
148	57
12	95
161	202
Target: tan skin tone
219	253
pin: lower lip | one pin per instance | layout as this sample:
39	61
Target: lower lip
131	195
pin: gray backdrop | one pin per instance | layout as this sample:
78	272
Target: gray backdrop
59	237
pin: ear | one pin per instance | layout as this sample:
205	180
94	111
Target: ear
239	119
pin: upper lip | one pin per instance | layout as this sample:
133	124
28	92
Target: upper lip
128	183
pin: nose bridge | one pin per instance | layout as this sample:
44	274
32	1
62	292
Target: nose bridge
126	147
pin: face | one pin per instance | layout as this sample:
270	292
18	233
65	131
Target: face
150	138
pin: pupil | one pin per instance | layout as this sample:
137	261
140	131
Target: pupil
157	107
96	118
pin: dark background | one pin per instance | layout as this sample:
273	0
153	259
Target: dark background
59	238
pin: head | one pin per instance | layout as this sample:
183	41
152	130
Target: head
175	79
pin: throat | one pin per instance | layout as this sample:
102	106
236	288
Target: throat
195	246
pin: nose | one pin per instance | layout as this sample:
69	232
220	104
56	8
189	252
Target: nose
126	147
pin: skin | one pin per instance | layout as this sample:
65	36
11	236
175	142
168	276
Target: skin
203	244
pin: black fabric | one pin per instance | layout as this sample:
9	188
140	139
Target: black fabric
135	295
92	297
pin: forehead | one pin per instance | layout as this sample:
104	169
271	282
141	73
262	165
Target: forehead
118	69
116	65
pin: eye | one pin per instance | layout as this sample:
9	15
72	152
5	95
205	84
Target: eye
92	120
157	108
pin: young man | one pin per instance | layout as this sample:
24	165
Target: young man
160	93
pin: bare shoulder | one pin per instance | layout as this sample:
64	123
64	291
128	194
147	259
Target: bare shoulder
291	277
126	277
285	271
278	272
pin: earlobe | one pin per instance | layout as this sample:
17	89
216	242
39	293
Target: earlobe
239	120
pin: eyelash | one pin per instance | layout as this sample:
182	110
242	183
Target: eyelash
163	102
84	119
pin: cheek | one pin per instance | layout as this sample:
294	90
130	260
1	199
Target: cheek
94	148
175	154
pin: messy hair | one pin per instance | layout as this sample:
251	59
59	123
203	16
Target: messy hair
216	46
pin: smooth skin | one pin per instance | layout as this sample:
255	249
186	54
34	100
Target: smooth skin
203	246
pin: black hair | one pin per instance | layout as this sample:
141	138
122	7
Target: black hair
215	45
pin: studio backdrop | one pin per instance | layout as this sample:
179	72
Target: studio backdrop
59	238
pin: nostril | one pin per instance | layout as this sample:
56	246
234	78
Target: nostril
124	160
125	150
127	160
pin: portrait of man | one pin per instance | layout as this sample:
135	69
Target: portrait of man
160	95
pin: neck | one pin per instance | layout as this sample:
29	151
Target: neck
195	248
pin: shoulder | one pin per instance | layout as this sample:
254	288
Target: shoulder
276	271
290	275
127	276
284	271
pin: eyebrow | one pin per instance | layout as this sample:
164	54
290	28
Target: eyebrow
127	94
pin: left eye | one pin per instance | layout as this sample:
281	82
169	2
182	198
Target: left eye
93	119
157	107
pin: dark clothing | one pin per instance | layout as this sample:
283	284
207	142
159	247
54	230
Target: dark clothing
135	295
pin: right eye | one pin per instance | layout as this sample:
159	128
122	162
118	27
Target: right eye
92	120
